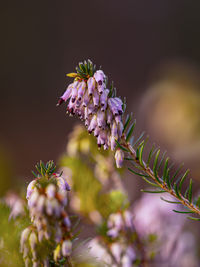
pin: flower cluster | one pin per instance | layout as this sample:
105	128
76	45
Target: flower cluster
31	248
120	222
118	254
154	219
121	250
89	99
121	227
16	204
47	201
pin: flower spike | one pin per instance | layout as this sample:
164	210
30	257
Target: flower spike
89	98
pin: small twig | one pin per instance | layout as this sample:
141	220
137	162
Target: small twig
163	185
69	262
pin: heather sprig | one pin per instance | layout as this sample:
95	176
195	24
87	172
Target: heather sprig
103	116
90	98
47	197
119	241
157	170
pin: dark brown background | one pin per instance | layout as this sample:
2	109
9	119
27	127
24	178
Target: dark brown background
41	41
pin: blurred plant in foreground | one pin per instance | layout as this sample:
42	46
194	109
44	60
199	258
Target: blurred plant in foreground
99	196
172	241
11	226
51	227
126	236
123	235
93	176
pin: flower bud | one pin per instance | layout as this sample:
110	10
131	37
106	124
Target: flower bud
66	248
115	220
81	90
33	242
62	184
40	235
97	131
86	99
30	188
51	191
57	253
74	91
93	124
91	109
113	233
103	99
41	203
101	119
67	93
99	76
112	143
114	131
116	249
24	237
119	157
120	128
33	199
91	86
67	222
128	218
96	98
109	117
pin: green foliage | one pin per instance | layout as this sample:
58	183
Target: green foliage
118	201
10	231
161	175
91	169
44	170
84	70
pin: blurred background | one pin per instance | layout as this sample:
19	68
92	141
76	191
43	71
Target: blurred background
150	49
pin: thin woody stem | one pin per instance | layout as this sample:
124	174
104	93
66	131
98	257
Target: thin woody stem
162	185
69	262
140	247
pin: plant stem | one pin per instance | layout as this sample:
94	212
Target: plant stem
69	262
162	185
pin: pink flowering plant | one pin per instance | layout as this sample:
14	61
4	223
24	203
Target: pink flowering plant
81	214
102	112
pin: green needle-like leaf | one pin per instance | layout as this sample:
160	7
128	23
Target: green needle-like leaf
167	179
120	146
169	201
198	201
161	161
190	191
156	192
128	119
165	169
193	218
183	179
176	190
130	131
141	155
178	211
177	171
156	163
150	155
137	173
138	140
149	182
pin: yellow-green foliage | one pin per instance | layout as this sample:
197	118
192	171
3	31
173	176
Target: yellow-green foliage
10	231
90	171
